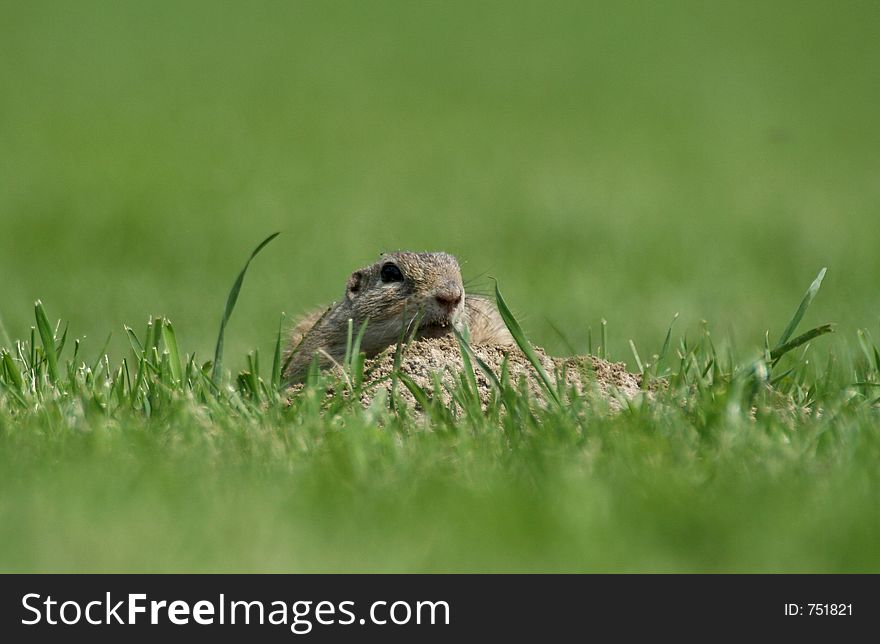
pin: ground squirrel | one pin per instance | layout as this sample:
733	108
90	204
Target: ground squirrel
391	295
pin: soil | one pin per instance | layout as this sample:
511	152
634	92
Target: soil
424	358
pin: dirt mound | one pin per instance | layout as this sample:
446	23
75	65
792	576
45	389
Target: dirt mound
424	358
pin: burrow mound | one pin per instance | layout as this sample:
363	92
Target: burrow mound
421	359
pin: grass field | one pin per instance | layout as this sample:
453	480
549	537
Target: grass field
617	161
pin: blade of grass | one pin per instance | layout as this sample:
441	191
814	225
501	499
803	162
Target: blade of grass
780	351
12	370
231	300
154	337
665	349
47	339
356	366
102	352
170	340
799	314
521	341
276	357
470	378
356	348
418	393
7	342
136	345
487	371
604	348
632	346
569	347
62	341
349	340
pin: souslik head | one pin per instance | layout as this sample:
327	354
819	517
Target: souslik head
406	288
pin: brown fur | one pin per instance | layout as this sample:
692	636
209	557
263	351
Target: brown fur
431	292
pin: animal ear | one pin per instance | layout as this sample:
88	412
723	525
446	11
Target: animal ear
354	283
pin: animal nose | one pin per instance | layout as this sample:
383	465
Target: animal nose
449	297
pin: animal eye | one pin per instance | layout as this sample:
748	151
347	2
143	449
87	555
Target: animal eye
391	273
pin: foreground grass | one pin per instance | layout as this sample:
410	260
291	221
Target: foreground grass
150	467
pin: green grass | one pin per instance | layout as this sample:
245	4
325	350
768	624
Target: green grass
153	465
627	162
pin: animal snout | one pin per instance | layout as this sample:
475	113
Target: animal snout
448	298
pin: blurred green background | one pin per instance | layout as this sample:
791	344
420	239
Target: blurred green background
626	160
